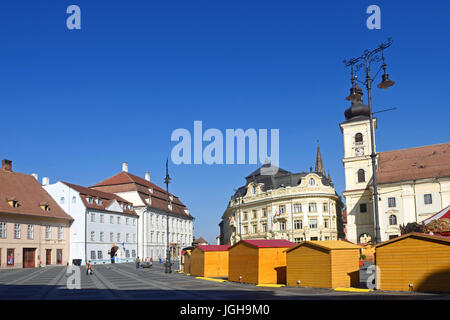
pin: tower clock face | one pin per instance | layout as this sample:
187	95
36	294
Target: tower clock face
359	151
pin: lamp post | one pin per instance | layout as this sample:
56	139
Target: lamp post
168	264
364	62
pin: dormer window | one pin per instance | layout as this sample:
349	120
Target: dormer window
254	189
13	202
312	182
45	206
89	200
99	202
150	190
124	206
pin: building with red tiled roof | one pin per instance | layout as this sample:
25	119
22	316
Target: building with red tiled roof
34	229
154	206
413	183
105	226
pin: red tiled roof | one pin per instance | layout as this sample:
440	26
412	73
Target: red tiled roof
125	181
413	164
30	195
107	198
214	247
274	243
200	240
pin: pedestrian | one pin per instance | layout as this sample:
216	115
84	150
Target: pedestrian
138	262
151	262
160	259
89	268
147	261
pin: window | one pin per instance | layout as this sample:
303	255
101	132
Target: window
102	236
361	176
264	213
99	202
245	231
313	224
89	200
30	232
133	253
298	224
58	256
127	253
92	217
111	219
102	218
254	214
10	257
428	199
282	209
134	237
392	220
254	190
74	199
17	231
327	238
282	226
298	240
127	221
127	237
245	216
134	222
118	220
48	232
358	139
326	223
312	182
92	235
297	207
325	207
61	201
60	233
363	207
118	237
100	254
312	207
92	255
264	227
391	203
254	228
314	238
3	230
111	237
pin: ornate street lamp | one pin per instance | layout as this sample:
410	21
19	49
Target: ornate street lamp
168	264
365	61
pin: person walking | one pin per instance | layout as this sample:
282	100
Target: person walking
89	268
138	262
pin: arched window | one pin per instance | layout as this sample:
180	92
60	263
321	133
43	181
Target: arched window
312	182
392	220
361	175
358	139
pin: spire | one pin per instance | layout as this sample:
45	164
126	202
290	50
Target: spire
319	165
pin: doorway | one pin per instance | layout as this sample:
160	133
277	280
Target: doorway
29	257
48	256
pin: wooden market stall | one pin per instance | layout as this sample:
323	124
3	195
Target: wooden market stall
258	261
186	261
210	261
323	264
414	262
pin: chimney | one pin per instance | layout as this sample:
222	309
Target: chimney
35	176
45	181
7	165
147	176
125	166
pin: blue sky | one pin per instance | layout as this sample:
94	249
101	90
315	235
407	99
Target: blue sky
75	104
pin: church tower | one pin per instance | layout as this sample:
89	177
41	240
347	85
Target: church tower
358	171
319	165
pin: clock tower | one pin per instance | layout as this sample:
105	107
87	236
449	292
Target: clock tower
358	171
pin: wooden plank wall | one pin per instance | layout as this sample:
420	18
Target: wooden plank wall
197	262
424	263
243	261
216	264
310	265
345	268
272	266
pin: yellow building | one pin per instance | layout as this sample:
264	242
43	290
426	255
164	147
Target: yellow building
278	204
209	261
323	264
413	183
414	262
34	230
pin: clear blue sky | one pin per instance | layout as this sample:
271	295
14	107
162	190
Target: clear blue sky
76	104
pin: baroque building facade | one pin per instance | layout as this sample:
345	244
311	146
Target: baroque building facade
150	203
278	204
413	184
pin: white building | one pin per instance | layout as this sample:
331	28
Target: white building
413	183
150	203
104	223
284	205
